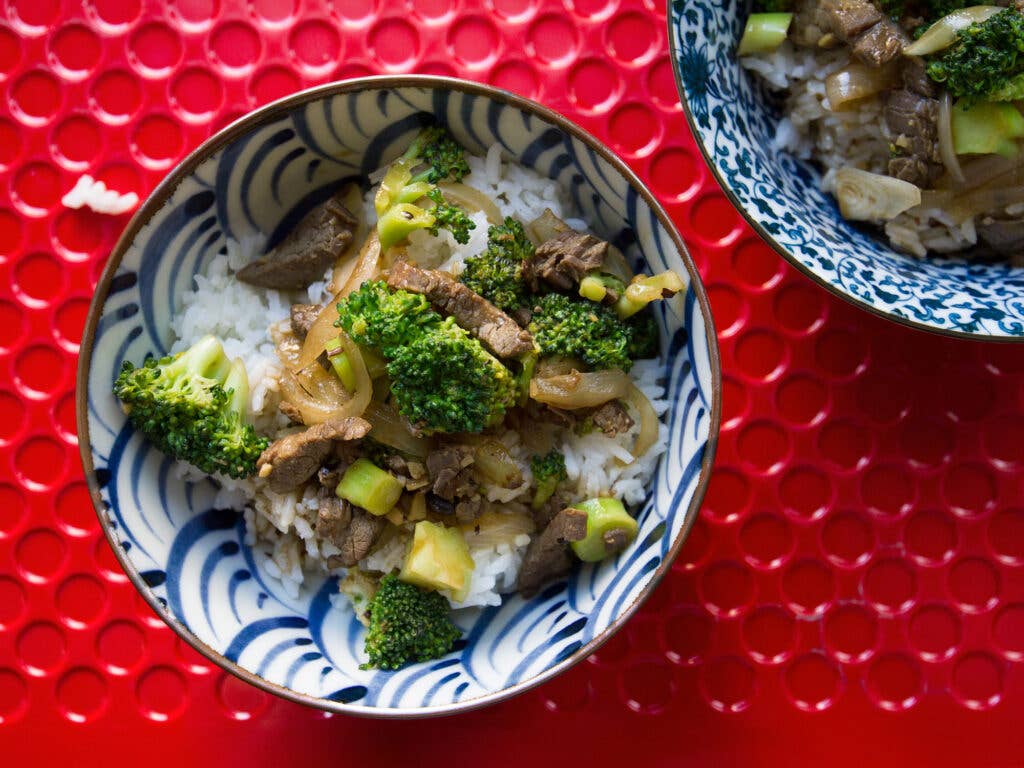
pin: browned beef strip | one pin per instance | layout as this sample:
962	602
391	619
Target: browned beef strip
294	414
850	18
289	462
329	477
301	258
880	44
564	260
912	122
915	77
302	318
333	518
548	555
448	471
615	540
612	418
350	529
473	312
1005	236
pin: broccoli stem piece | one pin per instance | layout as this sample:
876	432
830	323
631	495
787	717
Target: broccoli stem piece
340	363
607	522
548	472
366	485
407	624
647	288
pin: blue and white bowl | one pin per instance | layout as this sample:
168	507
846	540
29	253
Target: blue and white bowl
189	559
734	125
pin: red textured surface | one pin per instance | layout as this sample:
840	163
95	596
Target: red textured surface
854	586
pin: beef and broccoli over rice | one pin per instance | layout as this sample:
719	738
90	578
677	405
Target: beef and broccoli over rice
439	392
912	110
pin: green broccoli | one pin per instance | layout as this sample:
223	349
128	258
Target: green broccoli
985	61
442	378
579	328
548	472
407	624
194	406
496	274
774	6
445	381
434	156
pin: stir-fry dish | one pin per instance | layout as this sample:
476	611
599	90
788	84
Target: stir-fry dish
440	392
911	107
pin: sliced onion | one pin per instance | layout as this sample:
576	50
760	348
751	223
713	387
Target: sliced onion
318	394
580	390
471	199
555	366
855	82
367	265
648	434
615	264
988	170
390	429
942	33
493	460
865	196
319	334
346	262
494	528
545	227
945	129
987	199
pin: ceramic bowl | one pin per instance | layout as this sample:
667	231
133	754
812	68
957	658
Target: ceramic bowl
189	559
734	125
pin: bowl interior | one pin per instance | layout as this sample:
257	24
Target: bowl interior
735	125
190	559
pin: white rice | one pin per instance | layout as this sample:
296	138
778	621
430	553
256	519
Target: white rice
92	193
857	138
282	527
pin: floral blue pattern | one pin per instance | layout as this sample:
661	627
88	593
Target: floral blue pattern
734	124
192	557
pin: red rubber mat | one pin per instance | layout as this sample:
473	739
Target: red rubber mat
854	589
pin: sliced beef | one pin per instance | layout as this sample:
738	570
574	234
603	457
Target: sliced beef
350	529
548	555
850	18
473	312
915	77
301	258
612	418
911	120
615	540
468	510
880	44
329	477
294	414
447	468
564	260
1005	236
302	318
289	462
812	25
412	473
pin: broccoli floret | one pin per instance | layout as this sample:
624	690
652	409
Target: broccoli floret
548	472
442	379
407	624
434	156
572	327
984	59
445	381
496	274
644	336
376	316
443	155
194	406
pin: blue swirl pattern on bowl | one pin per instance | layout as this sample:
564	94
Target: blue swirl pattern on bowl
780	195
193	557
